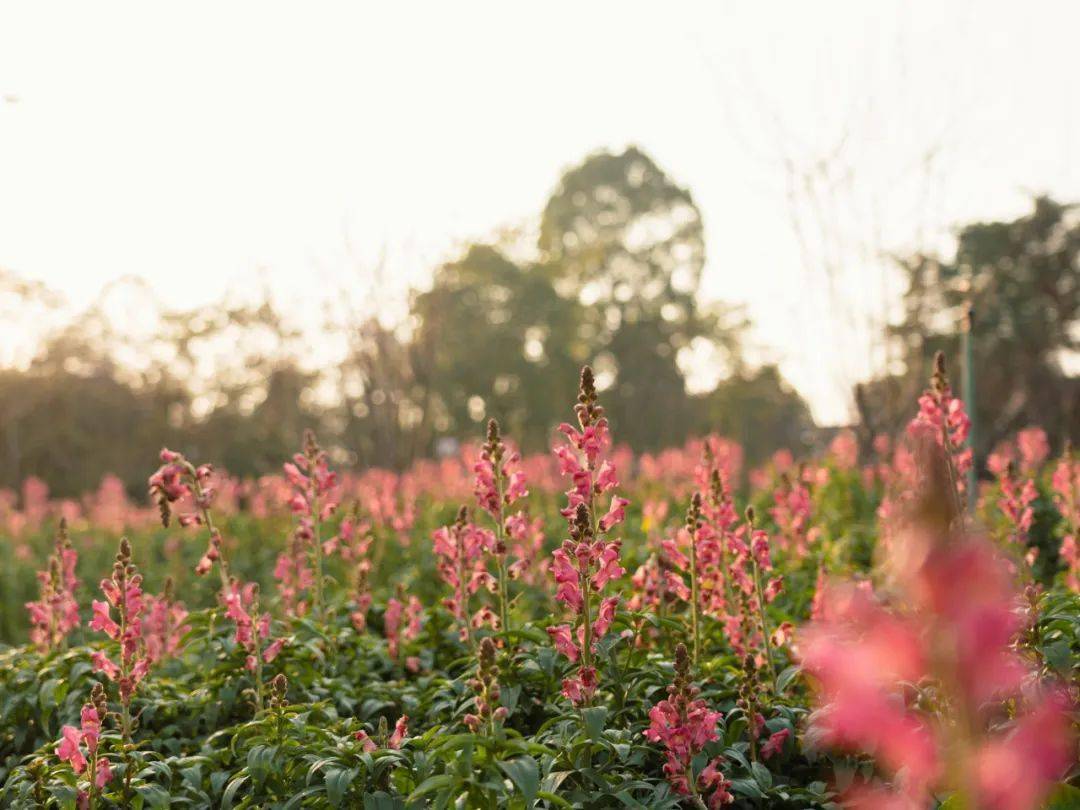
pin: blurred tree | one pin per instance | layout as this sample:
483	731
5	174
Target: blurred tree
760	411
497	340
385	416
627	243
614	281
1022	279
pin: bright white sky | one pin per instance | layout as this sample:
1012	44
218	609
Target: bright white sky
208	146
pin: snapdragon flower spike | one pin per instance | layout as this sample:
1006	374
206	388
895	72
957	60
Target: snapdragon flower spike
1015	504
362	597
460	550
586	562
526	539
385	739
253	632
56	612
1034	447
79	745
954	626
163	625
353	539
123	593
293	573
498	484
792	513
177	479
942	415
1065	484
403	622
485	685
683	723
313	498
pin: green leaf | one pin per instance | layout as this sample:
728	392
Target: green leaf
1064	797
784	679
337	783
431	784
525	774
595	717
230	791
154	795
761	774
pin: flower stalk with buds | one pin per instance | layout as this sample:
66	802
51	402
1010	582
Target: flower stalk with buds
588	560
498	485
684	723
56	612
176	478
460	551
313	500
485	686
252	632
79	746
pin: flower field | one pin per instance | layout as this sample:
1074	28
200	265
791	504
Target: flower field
585	628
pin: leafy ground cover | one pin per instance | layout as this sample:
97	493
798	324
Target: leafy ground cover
588	628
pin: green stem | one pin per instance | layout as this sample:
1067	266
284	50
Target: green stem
694	618
500	543
204	512
764	620
316	524
463	588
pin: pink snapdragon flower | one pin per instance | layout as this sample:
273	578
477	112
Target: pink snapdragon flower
176	480
402	623
498	484
313	497
1034	449
1065	483
1015	504
461	550
683	723
943	416
953	623
793	515
123	593
588	561
391	741
56	611
293	573
163	626
79	746
253	632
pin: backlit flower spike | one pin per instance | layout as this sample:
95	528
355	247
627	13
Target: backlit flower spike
253	632
952	622
178	480
313	497
164	624
498	484
588	561
123	593
79	746
1065	484
942	415
683	724
461	559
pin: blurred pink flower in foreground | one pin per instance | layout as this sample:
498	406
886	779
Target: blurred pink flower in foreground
951	622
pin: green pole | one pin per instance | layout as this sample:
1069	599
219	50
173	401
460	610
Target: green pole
967	341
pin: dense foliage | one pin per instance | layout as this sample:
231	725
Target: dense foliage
584	628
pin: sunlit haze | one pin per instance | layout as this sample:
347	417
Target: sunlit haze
210	148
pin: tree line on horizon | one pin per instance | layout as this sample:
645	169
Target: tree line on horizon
611	280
